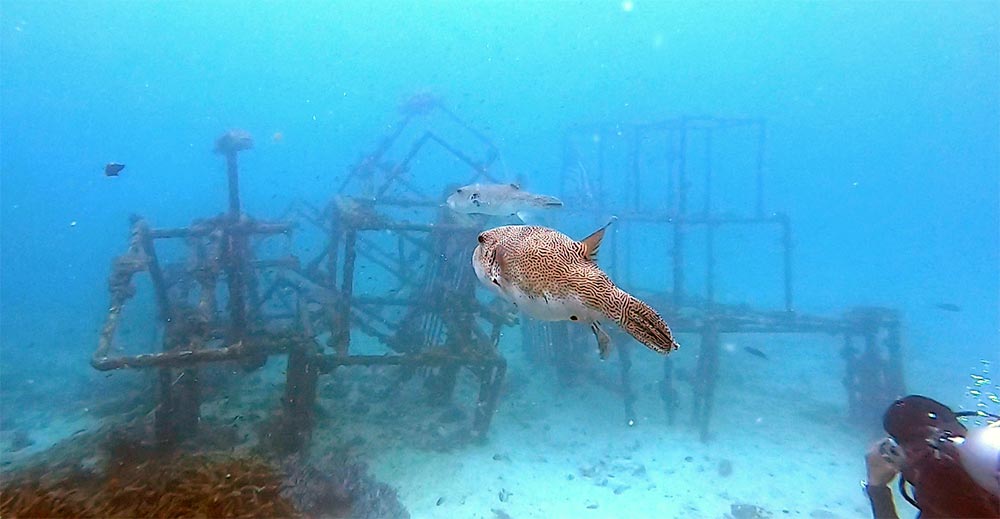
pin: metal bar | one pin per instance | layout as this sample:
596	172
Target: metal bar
668	393
153	266
635	152
415	359
680	209
239	227
233	175
398	168
233	262
384	144
476	133
786	244
601	157
346	290
457	153
406	226
189	356
761	137
628	394
894	363
489	395
710	228
301	376
708	369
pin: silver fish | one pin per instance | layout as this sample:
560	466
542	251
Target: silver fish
499	200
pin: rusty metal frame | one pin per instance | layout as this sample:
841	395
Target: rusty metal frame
219	250
869	388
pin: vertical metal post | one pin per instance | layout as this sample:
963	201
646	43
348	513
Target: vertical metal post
301	376
233	174
613	252
707	370
567	160
491	382
668	393
625	358
761	142
710	227
707	209
635	185
347	291
163	424
894	367
786	243
601	193
680	213
234	250
155	272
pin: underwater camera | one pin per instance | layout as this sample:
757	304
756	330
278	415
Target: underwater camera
944	462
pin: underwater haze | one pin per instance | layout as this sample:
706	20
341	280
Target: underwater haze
882	146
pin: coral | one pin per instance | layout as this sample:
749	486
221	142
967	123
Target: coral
335	484
177	486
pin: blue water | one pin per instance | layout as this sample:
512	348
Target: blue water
883	138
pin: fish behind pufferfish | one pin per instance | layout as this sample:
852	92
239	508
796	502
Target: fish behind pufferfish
551	277
500	200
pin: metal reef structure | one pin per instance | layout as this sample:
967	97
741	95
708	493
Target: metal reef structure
429	322
390	283
668	182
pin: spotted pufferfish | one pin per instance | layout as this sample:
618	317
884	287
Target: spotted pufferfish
551	277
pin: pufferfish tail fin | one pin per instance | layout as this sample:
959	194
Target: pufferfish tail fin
642	322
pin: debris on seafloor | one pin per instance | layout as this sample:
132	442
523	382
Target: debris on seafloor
747	511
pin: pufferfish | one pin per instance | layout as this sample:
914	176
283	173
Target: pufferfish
551	277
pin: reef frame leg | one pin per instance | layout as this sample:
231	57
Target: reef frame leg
491	384
625	359
707	370
301	378
668	393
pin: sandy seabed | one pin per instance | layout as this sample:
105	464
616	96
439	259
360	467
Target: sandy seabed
781	444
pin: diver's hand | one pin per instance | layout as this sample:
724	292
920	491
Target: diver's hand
880	470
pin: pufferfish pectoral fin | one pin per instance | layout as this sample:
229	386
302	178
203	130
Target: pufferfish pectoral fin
603	340
498	269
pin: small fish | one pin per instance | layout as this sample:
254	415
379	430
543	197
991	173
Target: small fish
551	277
755	352
112	169
440	501
948	307
500	200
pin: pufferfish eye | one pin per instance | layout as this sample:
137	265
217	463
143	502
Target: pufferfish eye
482	238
